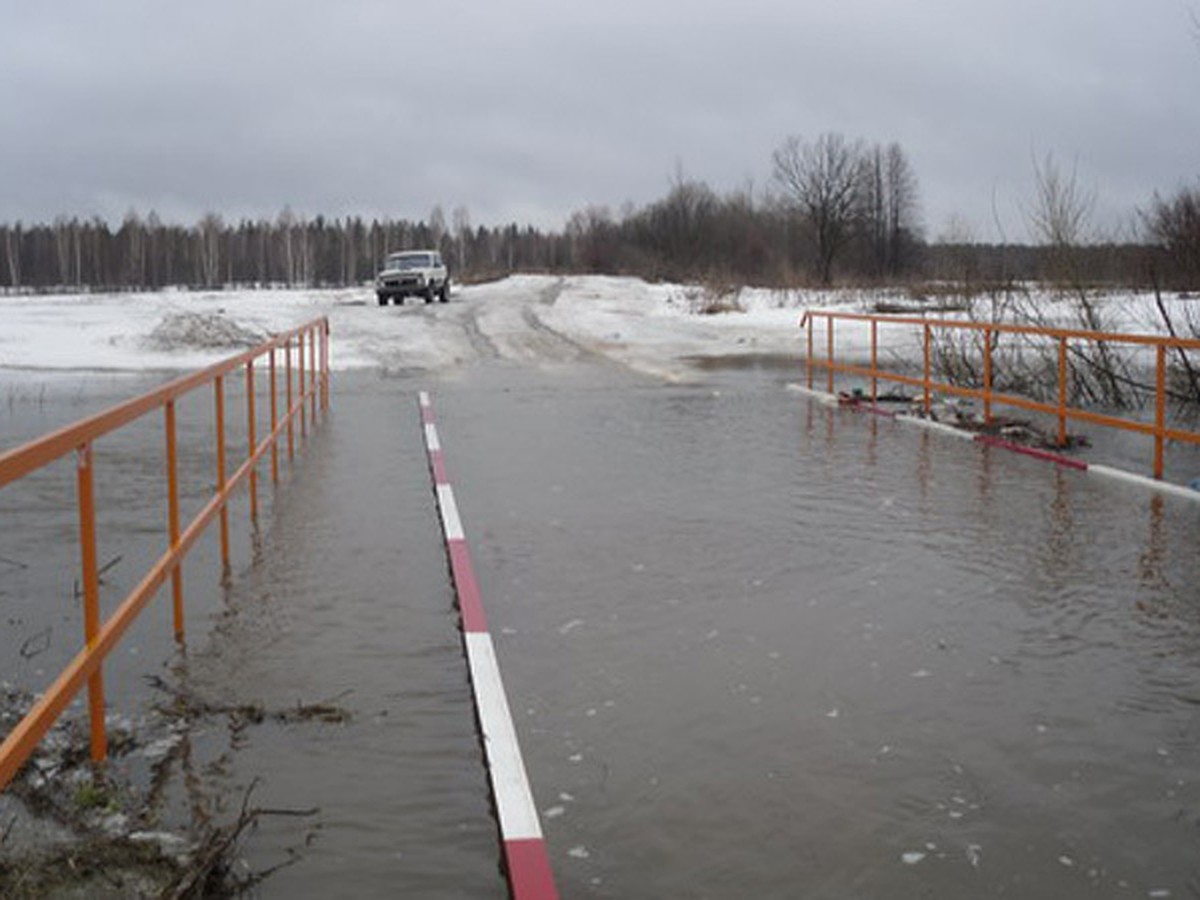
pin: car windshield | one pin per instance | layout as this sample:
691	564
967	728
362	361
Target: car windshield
408	261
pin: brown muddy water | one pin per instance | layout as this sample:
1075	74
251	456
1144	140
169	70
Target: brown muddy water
754	647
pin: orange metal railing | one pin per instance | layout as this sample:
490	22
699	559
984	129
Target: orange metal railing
1064	337
306	388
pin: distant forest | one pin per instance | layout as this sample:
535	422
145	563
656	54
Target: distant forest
839	212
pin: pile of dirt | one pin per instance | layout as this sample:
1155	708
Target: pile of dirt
200	331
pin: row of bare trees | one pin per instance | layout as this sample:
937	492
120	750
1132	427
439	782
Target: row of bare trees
146	253
836	209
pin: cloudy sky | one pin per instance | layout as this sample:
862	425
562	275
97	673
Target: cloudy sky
525	110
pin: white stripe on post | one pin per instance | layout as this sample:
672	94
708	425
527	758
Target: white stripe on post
514	798
431	438
450	520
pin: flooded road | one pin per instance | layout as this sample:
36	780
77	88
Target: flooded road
753	647
764	648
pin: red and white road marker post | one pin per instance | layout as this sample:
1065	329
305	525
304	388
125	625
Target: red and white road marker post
527	863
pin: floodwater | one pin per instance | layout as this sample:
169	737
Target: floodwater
754	646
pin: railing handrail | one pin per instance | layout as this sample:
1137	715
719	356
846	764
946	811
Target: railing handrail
102	637
20	461
1159	429
1152	340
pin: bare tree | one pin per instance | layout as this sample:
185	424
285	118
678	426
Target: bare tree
286	224
1061	217
1061	213
903	227
12	252
437	227
208	245
1173	228
821	180
1173	225
461	218
132	236
64	232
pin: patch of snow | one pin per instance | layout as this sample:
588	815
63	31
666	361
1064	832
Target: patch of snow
533	319
202	331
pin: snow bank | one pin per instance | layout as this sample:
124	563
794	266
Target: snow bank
657	328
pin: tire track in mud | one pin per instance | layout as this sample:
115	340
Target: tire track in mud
510	328
483	346
559	342
549	295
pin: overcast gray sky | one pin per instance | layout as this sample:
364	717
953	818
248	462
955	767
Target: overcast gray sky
525	110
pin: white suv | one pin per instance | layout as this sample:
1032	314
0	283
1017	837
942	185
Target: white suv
413	273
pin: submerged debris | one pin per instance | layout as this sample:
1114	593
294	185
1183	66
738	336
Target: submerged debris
187	704
68	828
960	413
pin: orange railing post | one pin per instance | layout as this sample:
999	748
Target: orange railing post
829	351
274	422
928	368
808	360
1160	403
874	362
287	360
312	372
325	365
300	384
1062	392
91	595
173	518
219	389
987	375
252	440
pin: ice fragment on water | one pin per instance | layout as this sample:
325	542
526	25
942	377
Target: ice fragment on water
576	757
921	673
912	858
570	626
1066	861
833	714
1159	892
554	812
580	852
974	851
